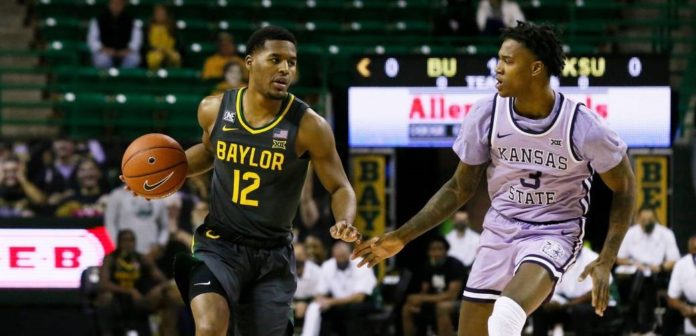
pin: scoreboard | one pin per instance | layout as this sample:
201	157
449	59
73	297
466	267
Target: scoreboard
420	100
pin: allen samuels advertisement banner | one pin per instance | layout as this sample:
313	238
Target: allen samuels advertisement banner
431	116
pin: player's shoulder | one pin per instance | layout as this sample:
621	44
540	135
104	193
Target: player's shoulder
208	109
485	105
584	114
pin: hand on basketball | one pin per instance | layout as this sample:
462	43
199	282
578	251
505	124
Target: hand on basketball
126	187
599	271
377	249
346	232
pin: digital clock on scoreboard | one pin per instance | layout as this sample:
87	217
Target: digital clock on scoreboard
420	101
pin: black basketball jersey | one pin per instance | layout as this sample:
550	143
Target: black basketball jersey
257	177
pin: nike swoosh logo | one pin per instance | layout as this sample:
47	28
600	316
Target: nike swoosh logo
150	187
202	283
500	136
227	129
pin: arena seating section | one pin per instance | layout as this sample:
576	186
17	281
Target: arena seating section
90	102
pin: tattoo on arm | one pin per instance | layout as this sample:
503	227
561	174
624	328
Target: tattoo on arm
452	195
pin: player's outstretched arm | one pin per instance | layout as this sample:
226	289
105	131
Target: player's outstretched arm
316	137
451	196
200	156
621	181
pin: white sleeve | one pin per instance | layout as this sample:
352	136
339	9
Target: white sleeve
675	289
113	208
366	281
324	279
624	251
482	14
93	39
163	224
672	249
136	39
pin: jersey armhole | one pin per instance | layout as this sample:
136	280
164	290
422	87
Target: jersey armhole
490	127
221	111
571	144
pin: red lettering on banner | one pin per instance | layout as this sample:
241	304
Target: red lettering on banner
439	109
601	109
66	257
15	258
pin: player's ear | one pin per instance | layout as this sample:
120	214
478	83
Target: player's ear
537	68
247	62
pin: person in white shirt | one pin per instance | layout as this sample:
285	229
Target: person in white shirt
308	281
343	301
492	15
682	288
648	250
463	240
571	303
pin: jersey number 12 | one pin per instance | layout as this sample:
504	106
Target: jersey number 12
242	197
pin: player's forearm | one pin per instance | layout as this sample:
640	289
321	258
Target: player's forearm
200	160
621	212
343	204
451	196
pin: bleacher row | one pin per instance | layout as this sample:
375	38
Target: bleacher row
330	32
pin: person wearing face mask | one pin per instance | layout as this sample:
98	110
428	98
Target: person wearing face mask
463	240
645	259
682	292
343	298
441	286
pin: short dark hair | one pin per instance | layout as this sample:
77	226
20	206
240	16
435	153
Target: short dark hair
647	208
258	38
439	239
542	40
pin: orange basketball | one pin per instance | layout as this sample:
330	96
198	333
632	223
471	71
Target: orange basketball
154	166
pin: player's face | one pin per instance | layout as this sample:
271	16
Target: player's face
272	68
516	68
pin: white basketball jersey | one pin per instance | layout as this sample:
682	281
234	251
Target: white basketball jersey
535	176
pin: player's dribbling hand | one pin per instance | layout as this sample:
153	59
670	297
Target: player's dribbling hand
377	249
599	271
346	232
126	187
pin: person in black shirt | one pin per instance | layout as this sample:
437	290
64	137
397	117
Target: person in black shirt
114	38
17	194
441	288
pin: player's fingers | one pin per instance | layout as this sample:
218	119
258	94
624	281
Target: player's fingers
333	231
374	261
364	261
603	298
363	248
123	179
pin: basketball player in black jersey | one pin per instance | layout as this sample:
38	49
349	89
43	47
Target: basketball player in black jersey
259	141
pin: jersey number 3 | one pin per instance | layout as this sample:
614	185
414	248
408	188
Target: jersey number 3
242	197
534	181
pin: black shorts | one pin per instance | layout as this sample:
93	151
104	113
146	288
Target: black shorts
258	283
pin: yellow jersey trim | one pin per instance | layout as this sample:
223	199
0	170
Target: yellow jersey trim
267	127
193	242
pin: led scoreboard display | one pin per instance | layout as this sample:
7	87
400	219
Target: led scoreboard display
420	101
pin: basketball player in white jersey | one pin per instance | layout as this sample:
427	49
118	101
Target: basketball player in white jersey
539	151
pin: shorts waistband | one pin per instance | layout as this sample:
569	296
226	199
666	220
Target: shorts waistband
236	238
539	223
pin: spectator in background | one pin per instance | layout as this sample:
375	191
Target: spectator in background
88	200
571	303
455	18
17	194
227	52
235	77
308	282
682	291
148	219
344	296
59	179
463	241
493	15
131	287
315	249
115	38
161	40
442	285
649	251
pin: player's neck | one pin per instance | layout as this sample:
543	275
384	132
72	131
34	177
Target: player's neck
257	105
536	104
